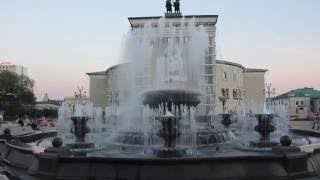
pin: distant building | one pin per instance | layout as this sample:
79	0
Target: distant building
18	69
302	103
221	82
236	84
46	103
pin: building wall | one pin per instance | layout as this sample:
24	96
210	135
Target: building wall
98	90
20	70
299	107
254	85
229	78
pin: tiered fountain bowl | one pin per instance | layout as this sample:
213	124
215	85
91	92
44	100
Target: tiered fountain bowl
176	97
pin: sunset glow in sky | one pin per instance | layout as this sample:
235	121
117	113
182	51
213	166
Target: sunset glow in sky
61	40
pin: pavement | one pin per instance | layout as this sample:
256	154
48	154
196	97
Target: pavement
16	129
304	125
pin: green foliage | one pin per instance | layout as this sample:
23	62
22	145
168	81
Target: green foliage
16	94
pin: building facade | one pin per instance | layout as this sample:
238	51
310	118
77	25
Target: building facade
178	26
233	81
301	103
18	69
236	84
223	84
47	103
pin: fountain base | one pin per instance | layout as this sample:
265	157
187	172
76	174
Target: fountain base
168	153
82	145
263	144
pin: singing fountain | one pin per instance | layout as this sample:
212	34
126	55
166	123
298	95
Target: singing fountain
151	128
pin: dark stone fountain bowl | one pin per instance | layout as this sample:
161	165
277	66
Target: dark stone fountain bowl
265	127
171	96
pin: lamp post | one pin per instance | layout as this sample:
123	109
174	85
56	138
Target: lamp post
269	92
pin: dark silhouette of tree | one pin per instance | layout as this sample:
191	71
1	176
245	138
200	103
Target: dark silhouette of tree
16	94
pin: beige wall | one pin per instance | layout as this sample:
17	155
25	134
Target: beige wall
98	90
254	85
228	77
299	107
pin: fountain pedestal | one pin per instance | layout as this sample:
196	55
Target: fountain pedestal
170	131
80	129
264	128
226	120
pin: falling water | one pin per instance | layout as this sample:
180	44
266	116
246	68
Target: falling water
80	109
159	58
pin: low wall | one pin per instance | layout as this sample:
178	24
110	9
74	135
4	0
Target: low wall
21	163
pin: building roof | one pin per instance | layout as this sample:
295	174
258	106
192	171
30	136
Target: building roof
247	70
254	70
53	102
302	92
173	17
187	16
99	73
230	63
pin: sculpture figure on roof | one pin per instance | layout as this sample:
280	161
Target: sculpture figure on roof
177	6
169	6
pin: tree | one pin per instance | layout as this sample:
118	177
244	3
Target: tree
16	94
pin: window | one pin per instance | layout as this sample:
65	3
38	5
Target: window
210	40
297	102
227	93
208	70
176	24
301	102
209	79
208	59
223	92
210	50
225	75
301	109
235	94
297	110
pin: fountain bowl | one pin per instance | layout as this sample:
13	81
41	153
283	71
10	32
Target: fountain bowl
171	96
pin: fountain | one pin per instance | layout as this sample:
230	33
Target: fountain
156	124
80	129
264	128
170	130
226	120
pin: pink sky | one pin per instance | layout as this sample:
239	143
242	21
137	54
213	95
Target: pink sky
59	41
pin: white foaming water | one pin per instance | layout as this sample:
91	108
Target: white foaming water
160	57
282	117
80	109
248	121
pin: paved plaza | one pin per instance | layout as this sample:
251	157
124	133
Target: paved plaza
16	129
